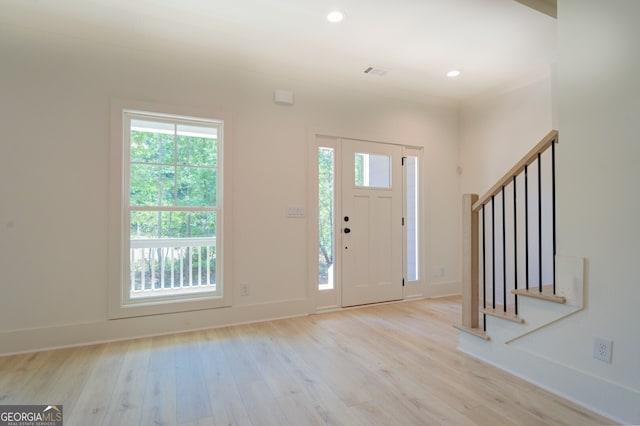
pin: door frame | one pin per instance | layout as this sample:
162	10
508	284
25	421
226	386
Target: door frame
328	300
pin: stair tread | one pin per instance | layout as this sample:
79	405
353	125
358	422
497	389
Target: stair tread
499	312
546	294
478	332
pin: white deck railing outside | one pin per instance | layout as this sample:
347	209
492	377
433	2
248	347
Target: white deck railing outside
172	266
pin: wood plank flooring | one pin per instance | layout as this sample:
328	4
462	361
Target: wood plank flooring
393	364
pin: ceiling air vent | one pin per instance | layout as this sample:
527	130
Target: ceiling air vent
375	71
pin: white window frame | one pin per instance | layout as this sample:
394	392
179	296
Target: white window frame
121	305
415	288
333	272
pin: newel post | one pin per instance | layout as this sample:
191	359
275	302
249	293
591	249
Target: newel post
470	271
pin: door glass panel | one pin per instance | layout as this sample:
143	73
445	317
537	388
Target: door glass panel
412	218
372	170
326	204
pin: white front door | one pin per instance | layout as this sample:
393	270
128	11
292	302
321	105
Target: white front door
371	222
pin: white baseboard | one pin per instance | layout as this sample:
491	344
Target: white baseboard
606	398
31	340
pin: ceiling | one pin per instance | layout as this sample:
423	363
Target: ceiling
496	44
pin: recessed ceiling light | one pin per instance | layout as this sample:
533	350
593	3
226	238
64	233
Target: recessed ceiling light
335	16
453	73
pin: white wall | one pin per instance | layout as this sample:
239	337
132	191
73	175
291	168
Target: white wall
598	176
598	97
54	180
497	130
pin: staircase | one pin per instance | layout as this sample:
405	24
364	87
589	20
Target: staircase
513	282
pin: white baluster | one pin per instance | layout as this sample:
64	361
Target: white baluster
208	267
199	265
173	265
152	261
162	267
143	269
181	266
190	266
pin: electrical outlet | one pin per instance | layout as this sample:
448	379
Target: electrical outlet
244	289
602	349
295	212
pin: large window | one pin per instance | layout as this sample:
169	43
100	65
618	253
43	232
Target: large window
171	210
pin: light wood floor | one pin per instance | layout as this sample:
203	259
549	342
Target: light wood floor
393	364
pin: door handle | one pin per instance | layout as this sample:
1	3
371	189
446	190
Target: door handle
347	230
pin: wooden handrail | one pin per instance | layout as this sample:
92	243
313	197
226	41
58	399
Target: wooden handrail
529	158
